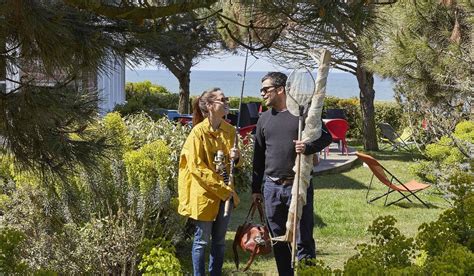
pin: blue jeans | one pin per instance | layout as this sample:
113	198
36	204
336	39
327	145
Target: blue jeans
204	230
277	199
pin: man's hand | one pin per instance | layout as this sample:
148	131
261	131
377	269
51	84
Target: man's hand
257	198
300	146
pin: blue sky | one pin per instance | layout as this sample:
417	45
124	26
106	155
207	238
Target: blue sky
236	63
228	62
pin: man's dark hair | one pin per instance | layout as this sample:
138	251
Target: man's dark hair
278	78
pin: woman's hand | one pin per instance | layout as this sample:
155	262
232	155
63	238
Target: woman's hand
234	153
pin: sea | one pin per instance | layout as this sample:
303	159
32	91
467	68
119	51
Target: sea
339	84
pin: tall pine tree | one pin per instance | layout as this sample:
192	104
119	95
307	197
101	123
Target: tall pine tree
427	48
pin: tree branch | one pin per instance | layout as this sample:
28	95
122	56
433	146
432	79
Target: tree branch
139	13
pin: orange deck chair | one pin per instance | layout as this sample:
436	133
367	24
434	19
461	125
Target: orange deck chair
405	189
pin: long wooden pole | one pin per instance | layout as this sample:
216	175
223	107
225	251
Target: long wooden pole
236	141
294	245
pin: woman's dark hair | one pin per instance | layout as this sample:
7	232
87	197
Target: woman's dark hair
200	110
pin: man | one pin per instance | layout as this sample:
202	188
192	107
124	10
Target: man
276	147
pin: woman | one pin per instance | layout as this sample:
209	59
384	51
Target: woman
202	180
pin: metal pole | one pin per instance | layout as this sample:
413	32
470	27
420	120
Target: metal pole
236	140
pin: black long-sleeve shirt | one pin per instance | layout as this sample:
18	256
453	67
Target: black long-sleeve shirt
274	151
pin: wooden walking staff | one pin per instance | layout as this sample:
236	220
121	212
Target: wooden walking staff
236	141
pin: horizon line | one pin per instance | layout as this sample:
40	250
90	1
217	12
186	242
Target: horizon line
207	70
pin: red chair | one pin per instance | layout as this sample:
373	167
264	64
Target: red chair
338	129
244	131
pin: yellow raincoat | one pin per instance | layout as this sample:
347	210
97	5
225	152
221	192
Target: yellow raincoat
200	187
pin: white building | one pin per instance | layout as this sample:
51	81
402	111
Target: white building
109	82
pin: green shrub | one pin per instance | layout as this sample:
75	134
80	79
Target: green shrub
107	245
148	165
147	97
454	226
144	130
388	112
160	261
234	101
465	131
454	260
116	132
444	152
446	158
96	220
442	247
389	249
145	87
10	257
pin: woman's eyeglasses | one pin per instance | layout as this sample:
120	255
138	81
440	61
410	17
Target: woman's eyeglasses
222	100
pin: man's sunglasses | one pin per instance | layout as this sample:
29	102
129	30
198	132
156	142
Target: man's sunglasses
265	90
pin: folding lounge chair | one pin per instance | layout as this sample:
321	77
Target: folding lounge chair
396	141
405	189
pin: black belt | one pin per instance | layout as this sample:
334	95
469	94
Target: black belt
281	181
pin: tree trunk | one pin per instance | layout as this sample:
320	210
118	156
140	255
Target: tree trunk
184	79
367	95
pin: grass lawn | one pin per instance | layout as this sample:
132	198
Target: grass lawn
341	214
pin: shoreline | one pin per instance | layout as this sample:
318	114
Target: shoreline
340	84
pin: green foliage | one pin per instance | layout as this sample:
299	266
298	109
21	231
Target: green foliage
147	165
101	246
427	48
160	261
309	267
454	260
386	112
390	249
444	246
147	97
116	132
143	130
426	170
465	131
234	101
446	158
144	88
45	129
454	226
10	258
243	173
95	221
444	152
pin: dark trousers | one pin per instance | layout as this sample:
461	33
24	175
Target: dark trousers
277	202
